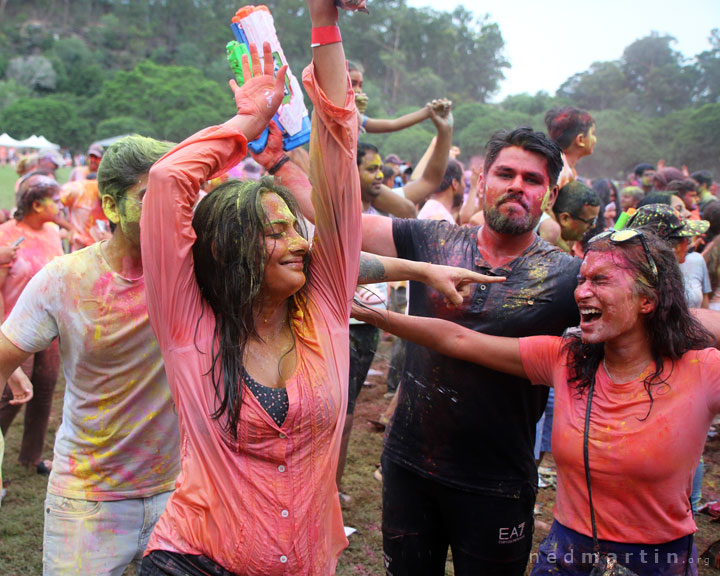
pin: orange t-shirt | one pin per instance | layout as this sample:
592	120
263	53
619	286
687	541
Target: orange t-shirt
38	248
642	459
84	209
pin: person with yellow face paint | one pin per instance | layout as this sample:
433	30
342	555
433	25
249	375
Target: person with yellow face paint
116	453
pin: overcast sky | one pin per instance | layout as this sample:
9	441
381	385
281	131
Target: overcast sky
547	41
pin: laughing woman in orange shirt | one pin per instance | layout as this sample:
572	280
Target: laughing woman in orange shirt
635	395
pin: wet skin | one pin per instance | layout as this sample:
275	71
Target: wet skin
517	187
610	308
285	250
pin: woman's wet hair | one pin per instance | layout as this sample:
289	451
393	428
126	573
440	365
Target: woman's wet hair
670	326
229	260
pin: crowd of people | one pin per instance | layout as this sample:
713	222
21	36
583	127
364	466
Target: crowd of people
212	367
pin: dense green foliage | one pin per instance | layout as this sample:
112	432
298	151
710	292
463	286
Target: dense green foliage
89	69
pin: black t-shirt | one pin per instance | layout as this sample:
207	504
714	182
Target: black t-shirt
458	422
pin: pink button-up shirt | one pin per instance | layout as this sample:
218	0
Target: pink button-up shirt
266	503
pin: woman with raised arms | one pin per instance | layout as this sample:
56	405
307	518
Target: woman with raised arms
253	327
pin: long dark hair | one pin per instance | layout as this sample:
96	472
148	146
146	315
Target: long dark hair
671	328
229	255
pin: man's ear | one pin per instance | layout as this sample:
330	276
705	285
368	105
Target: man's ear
563	218
110	208
580	140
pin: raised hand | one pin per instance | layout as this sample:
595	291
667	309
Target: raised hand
441	113
352	5
258	98
273	150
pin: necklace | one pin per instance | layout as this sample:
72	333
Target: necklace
607	371
634	377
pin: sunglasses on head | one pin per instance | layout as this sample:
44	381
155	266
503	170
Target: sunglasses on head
626	235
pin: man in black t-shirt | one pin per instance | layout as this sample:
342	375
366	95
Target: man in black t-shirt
458	466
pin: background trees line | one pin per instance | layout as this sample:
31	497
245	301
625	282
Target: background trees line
88	69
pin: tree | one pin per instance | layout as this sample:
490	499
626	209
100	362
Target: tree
123	125
603	86
473	136
34	72
78	71
693	138
55	119
708	87
530	105
654	71
159	94
11	91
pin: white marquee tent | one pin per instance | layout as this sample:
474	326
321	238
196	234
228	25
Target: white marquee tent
38	142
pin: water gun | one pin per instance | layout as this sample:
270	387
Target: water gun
623	219
254	24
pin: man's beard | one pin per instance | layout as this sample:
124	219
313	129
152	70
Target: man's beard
509	224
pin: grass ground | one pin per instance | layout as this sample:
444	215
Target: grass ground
21	515
8	176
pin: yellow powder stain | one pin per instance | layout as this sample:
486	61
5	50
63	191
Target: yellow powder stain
98	332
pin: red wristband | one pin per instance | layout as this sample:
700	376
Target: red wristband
325	35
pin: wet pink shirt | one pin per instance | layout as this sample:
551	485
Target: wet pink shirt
641	468
266	503
38	248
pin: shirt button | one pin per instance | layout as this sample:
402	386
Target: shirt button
281	468
285	513
483	287
283	559
281	435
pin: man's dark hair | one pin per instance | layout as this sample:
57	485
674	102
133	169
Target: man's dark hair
665	175
573	197
363	148
564	124
640	169
712	215
526	138
454	171
702	177
657	197
387	171
683	186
